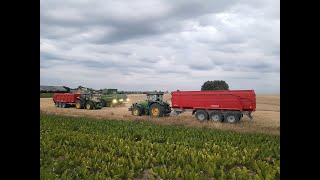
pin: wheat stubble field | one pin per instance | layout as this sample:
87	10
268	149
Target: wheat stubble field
265	120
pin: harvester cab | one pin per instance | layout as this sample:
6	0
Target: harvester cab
153	106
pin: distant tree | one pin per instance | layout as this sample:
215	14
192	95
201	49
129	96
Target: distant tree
215	85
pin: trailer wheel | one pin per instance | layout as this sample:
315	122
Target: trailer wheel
231	118
201	115
79	104
56	104
156	110
63	105
216	116
59	104
89	105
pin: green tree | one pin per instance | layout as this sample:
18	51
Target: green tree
215	85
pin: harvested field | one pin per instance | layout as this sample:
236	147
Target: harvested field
266	118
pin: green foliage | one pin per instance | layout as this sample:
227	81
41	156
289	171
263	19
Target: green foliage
82	148
46	95
215	85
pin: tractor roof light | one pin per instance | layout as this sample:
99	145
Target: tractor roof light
120	100
114	101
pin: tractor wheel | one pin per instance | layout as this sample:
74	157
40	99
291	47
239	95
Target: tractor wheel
63	105
108	104
103	102
79	104
231	117
201	115
136	111
156	110
89	105
216	116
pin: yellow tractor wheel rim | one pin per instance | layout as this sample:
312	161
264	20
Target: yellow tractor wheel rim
78	105
135	112
88	106
155	111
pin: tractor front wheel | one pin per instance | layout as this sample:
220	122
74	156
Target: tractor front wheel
136	111
79	104
156	110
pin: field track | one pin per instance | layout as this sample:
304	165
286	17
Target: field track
266	118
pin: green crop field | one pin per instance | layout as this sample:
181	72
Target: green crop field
46	95
84	148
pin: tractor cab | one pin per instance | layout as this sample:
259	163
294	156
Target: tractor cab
86	96
155	97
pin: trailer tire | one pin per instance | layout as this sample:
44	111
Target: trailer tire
56	104
89	105
59	104
216	116
231	117
63	105
201	115
156	110
136	111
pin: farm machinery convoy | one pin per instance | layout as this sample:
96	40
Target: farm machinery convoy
218	106
214	105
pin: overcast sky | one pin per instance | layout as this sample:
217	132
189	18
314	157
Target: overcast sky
160	44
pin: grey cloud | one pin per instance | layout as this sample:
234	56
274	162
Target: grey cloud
120	43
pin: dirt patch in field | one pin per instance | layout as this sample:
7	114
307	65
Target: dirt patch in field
266	118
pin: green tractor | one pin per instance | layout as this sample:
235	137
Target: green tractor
87	101
154	106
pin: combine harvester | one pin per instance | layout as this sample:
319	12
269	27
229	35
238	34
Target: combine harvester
218	106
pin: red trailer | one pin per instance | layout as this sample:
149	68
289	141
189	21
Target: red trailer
65	99
223	105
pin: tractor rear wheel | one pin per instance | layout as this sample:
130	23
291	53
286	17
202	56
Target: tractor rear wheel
103	102
79	104
231	117
89	105
156	110
201	115
136	111
216	116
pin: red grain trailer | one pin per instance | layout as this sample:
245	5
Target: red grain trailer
223	105
65	99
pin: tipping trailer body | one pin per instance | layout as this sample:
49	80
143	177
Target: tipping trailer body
216	105
65	97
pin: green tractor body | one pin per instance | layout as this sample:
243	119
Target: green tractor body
87	101
153	106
